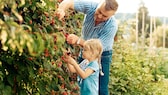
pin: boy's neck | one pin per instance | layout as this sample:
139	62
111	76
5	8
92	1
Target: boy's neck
92	59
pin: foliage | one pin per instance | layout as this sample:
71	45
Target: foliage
136	71
128	29
32	41
144	21
158	36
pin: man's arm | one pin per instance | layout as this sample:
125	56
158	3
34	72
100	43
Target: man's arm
66	4
63	6
80	42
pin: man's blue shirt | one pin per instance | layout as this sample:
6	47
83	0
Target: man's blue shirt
104	31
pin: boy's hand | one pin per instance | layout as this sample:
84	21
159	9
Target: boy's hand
68	59
67	55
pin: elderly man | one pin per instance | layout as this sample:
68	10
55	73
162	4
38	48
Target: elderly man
99	22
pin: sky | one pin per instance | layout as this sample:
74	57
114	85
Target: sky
155	7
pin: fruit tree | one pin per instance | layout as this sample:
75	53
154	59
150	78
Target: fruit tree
32	42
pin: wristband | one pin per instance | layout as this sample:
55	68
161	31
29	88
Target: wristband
78	41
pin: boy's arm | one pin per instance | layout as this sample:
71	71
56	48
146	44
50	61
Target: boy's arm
74	67
81	73
71	68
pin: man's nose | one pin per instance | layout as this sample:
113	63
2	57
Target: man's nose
100	16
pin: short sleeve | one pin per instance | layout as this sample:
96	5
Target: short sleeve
94	66
84	5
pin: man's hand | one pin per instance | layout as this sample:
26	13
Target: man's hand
72	39
60	13
63	6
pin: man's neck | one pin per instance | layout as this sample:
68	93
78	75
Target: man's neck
97	22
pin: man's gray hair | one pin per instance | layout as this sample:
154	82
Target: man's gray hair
111	5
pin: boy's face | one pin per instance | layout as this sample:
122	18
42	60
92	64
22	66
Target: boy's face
86	53
101	14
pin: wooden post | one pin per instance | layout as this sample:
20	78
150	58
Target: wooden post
137	30
164	33
143	28
151	24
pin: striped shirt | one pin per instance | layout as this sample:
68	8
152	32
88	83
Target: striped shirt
104	31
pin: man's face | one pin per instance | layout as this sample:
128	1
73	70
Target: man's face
101	14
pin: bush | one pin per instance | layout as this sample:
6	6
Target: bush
135	71
32	42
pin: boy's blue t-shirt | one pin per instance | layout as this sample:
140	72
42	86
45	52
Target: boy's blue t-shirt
89	85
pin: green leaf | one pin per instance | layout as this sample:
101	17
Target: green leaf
42	86
10	79
22	92
35	16
1	85
1	76
33	8
7	90
31	72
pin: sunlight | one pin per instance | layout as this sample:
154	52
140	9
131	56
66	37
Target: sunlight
155	7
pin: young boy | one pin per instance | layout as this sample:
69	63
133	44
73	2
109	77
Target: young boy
88	70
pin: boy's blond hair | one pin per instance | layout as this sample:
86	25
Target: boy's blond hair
95	46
